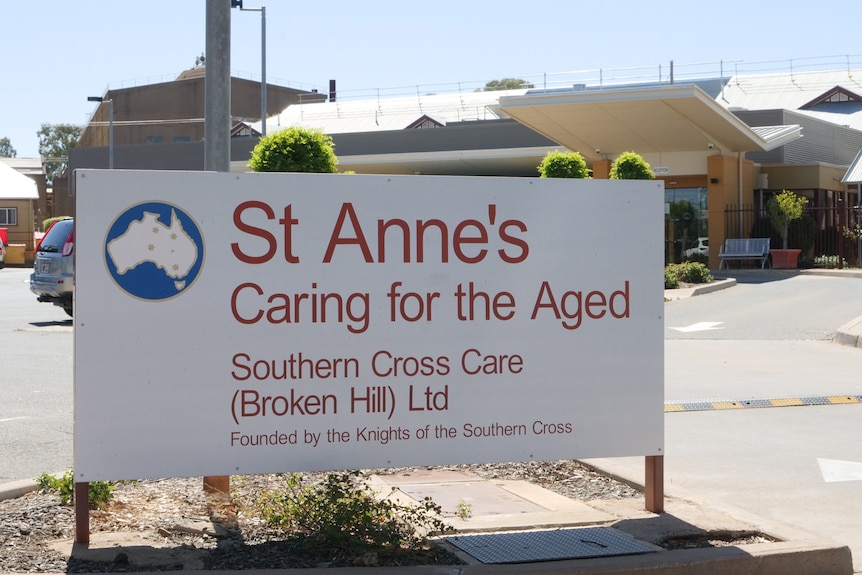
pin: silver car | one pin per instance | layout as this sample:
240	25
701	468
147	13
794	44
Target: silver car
53	277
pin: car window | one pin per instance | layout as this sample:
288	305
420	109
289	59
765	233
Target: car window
56	236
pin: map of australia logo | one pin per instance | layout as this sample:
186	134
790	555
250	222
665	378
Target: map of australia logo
154	251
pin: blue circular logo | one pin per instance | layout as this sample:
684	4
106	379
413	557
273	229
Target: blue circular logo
154	251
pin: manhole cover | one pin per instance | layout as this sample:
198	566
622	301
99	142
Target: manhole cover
549	545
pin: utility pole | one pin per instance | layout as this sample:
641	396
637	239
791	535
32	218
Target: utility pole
217	123
217	118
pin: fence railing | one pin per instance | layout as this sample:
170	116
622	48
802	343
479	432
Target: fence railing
828	236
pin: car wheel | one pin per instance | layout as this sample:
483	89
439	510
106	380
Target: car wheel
68	310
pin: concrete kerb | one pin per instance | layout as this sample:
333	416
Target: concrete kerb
682	293
850	333
810	558
15	489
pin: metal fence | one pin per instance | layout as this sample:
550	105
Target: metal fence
828	236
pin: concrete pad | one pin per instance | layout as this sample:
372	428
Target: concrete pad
132	548
492	505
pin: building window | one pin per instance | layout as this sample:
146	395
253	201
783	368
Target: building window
8	216
181	139
686	223
155	139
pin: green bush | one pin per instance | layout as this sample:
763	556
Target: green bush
670	279
630	166
294	149
344	516
557	164
98	493
687	272
697	258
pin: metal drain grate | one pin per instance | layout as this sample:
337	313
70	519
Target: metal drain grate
549	545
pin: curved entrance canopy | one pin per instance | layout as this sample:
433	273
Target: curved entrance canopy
674	118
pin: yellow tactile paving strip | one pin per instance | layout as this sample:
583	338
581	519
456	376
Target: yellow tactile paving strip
676	406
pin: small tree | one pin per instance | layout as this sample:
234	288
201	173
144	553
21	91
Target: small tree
630	166
557	164
783	209
506	84
6	149
295	149
55	141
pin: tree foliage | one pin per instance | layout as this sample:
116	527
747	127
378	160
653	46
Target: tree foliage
294	149
783	209
557	164
630	166
506	84
55	141
6	149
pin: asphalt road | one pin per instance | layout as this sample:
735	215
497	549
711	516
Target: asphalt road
35	382
788	470
769	306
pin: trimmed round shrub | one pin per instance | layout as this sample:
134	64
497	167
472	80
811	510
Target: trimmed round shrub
557	164
294	149
630	166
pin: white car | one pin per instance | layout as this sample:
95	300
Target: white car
2	255
701	247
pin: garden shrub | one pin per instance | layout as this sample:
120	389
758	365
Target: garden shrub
630	166
670	279
343	515
687	272
98	494
294	149
557	164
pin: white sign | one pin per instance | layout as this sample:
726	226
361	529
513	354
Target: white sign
253	323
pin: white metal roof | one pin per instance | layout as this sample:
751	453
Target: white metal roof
854	172
791	91
372	115
15	186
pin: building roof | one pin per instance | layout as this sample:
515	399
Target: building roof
31	166
15	186
805	92
374	115
854	172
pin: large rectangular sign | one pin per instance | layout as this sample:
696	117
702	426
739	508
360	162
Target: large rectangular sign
252	323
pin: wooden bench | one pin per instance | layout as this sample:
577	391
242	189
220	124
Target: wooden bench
744	249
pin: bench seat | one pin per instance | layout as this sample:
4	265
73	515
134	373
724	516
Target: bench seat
744	249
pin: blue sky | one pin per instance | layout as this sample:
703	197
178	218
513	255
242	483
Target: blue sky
58	52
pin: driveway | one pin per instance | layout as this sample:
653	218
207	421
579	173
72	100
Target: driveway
785	468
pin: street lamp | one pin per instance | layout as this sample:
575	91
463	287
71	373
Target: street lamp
110	127
262	10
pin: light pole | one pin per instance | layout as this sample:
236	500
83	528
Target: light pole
110	126
262	10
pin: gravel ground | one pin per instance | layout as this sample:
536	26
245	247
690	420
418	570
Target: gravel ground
175	513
